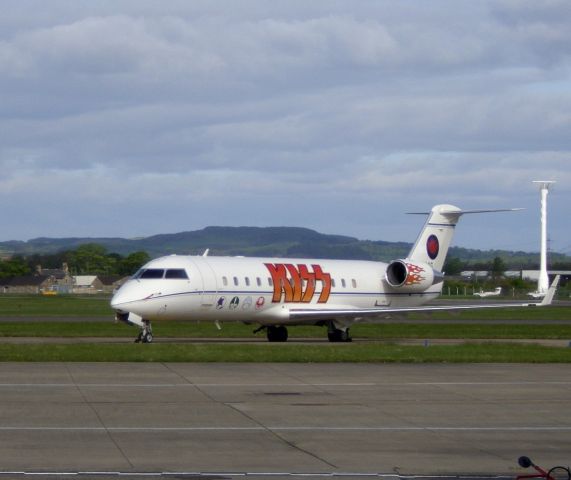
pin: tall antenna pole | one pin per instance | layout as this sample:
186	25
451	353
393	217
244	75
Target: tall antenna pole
543	281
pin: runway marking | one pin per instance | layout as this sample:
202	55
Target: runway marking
172	385
220	475
289	429
222	385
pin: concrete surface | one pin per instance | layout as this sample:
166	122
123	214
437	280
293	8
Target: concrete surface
280	420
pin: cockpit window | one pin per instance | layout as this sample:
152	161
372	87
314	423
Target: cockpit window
138	273
156	273
176	273
151	273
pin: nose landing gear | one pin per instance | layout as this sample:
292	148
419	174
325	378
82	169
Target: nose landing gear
146	333
130	318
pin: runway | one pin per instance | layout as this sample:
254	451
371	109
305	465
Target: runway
280	420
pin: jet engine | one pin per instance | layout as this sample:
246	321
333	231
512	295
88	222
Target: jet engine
411	276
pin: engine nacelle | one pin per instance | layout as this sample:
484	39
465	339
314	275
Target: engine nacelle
411	276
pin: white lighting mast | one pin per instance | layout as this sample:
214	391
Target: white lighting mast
543	281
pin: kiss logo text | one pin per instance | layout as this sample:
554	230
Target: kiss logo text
300	285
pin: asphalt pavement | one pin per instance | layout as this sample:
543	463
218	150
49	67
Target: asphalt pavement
101	420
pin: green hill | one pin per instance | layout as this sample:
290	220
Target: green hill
268	241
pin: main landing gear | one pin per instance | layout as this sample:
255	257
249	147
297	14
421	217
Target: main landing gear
146	333
276	333
335	334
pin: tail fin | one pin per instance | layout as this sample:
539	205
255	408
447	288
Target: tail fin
432	244
551	292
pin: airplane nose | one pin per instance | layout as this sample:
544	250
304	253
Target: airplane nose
116	301
122	297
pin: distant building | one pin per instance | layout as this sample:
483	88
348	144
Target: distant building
112	282
87	284
27	284
59	280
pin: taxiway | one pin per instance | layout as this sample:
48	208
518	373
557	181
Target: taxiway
272	420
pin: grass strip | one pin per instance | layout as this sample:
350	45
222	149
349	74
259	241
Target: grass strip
87	305
531	313
238	330
455	331
327	353
57	305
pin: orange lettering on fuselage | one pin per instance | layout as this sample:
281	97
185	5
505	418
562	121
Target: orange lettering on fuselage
299	285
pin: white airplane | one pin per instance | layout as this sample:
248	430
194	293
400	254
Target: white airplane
276	293
483	294
536	295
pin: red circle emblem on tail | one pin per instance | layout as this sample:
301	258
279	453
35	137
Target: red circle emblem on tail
432	246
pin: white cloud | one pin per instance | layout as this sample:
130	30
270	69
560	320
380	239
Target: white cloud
263	115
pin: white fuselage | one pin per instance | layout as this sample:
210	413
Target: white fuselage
258	290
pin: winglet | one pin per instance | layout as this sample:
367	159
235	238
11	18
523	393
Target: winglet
550	293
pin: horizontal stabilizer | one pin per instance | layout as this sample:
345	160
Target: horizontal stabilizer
463	212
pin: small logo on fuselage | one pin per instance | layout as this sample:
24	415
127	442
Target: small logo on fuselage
247	303
297	283
234	303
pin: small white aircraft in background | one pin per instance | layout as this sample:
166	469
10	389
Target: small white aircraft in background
494	293
276	293
536	295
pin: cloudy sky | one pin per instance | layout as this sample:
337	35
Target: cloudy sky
136	117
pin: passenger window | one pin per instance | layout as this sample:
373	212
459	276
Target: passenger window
236	281
225	281
152	273
247	280
258	281
333	282
270	283
343	283
354	283
179	273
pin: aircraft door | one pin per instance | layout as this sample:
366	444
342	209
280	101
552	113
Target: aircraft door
209	283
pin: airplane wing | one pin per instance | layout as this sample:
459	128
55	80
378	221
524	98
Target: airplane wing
325	313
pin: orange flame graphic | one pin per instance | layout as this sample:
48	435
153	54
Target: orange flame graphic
414	274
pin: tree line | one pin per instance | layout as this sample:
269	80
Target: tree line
92	259
496	267
87	259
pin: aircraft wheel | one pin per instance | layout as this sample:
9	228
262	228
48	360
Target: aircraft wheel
333	336
148	337
339	336
277	333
